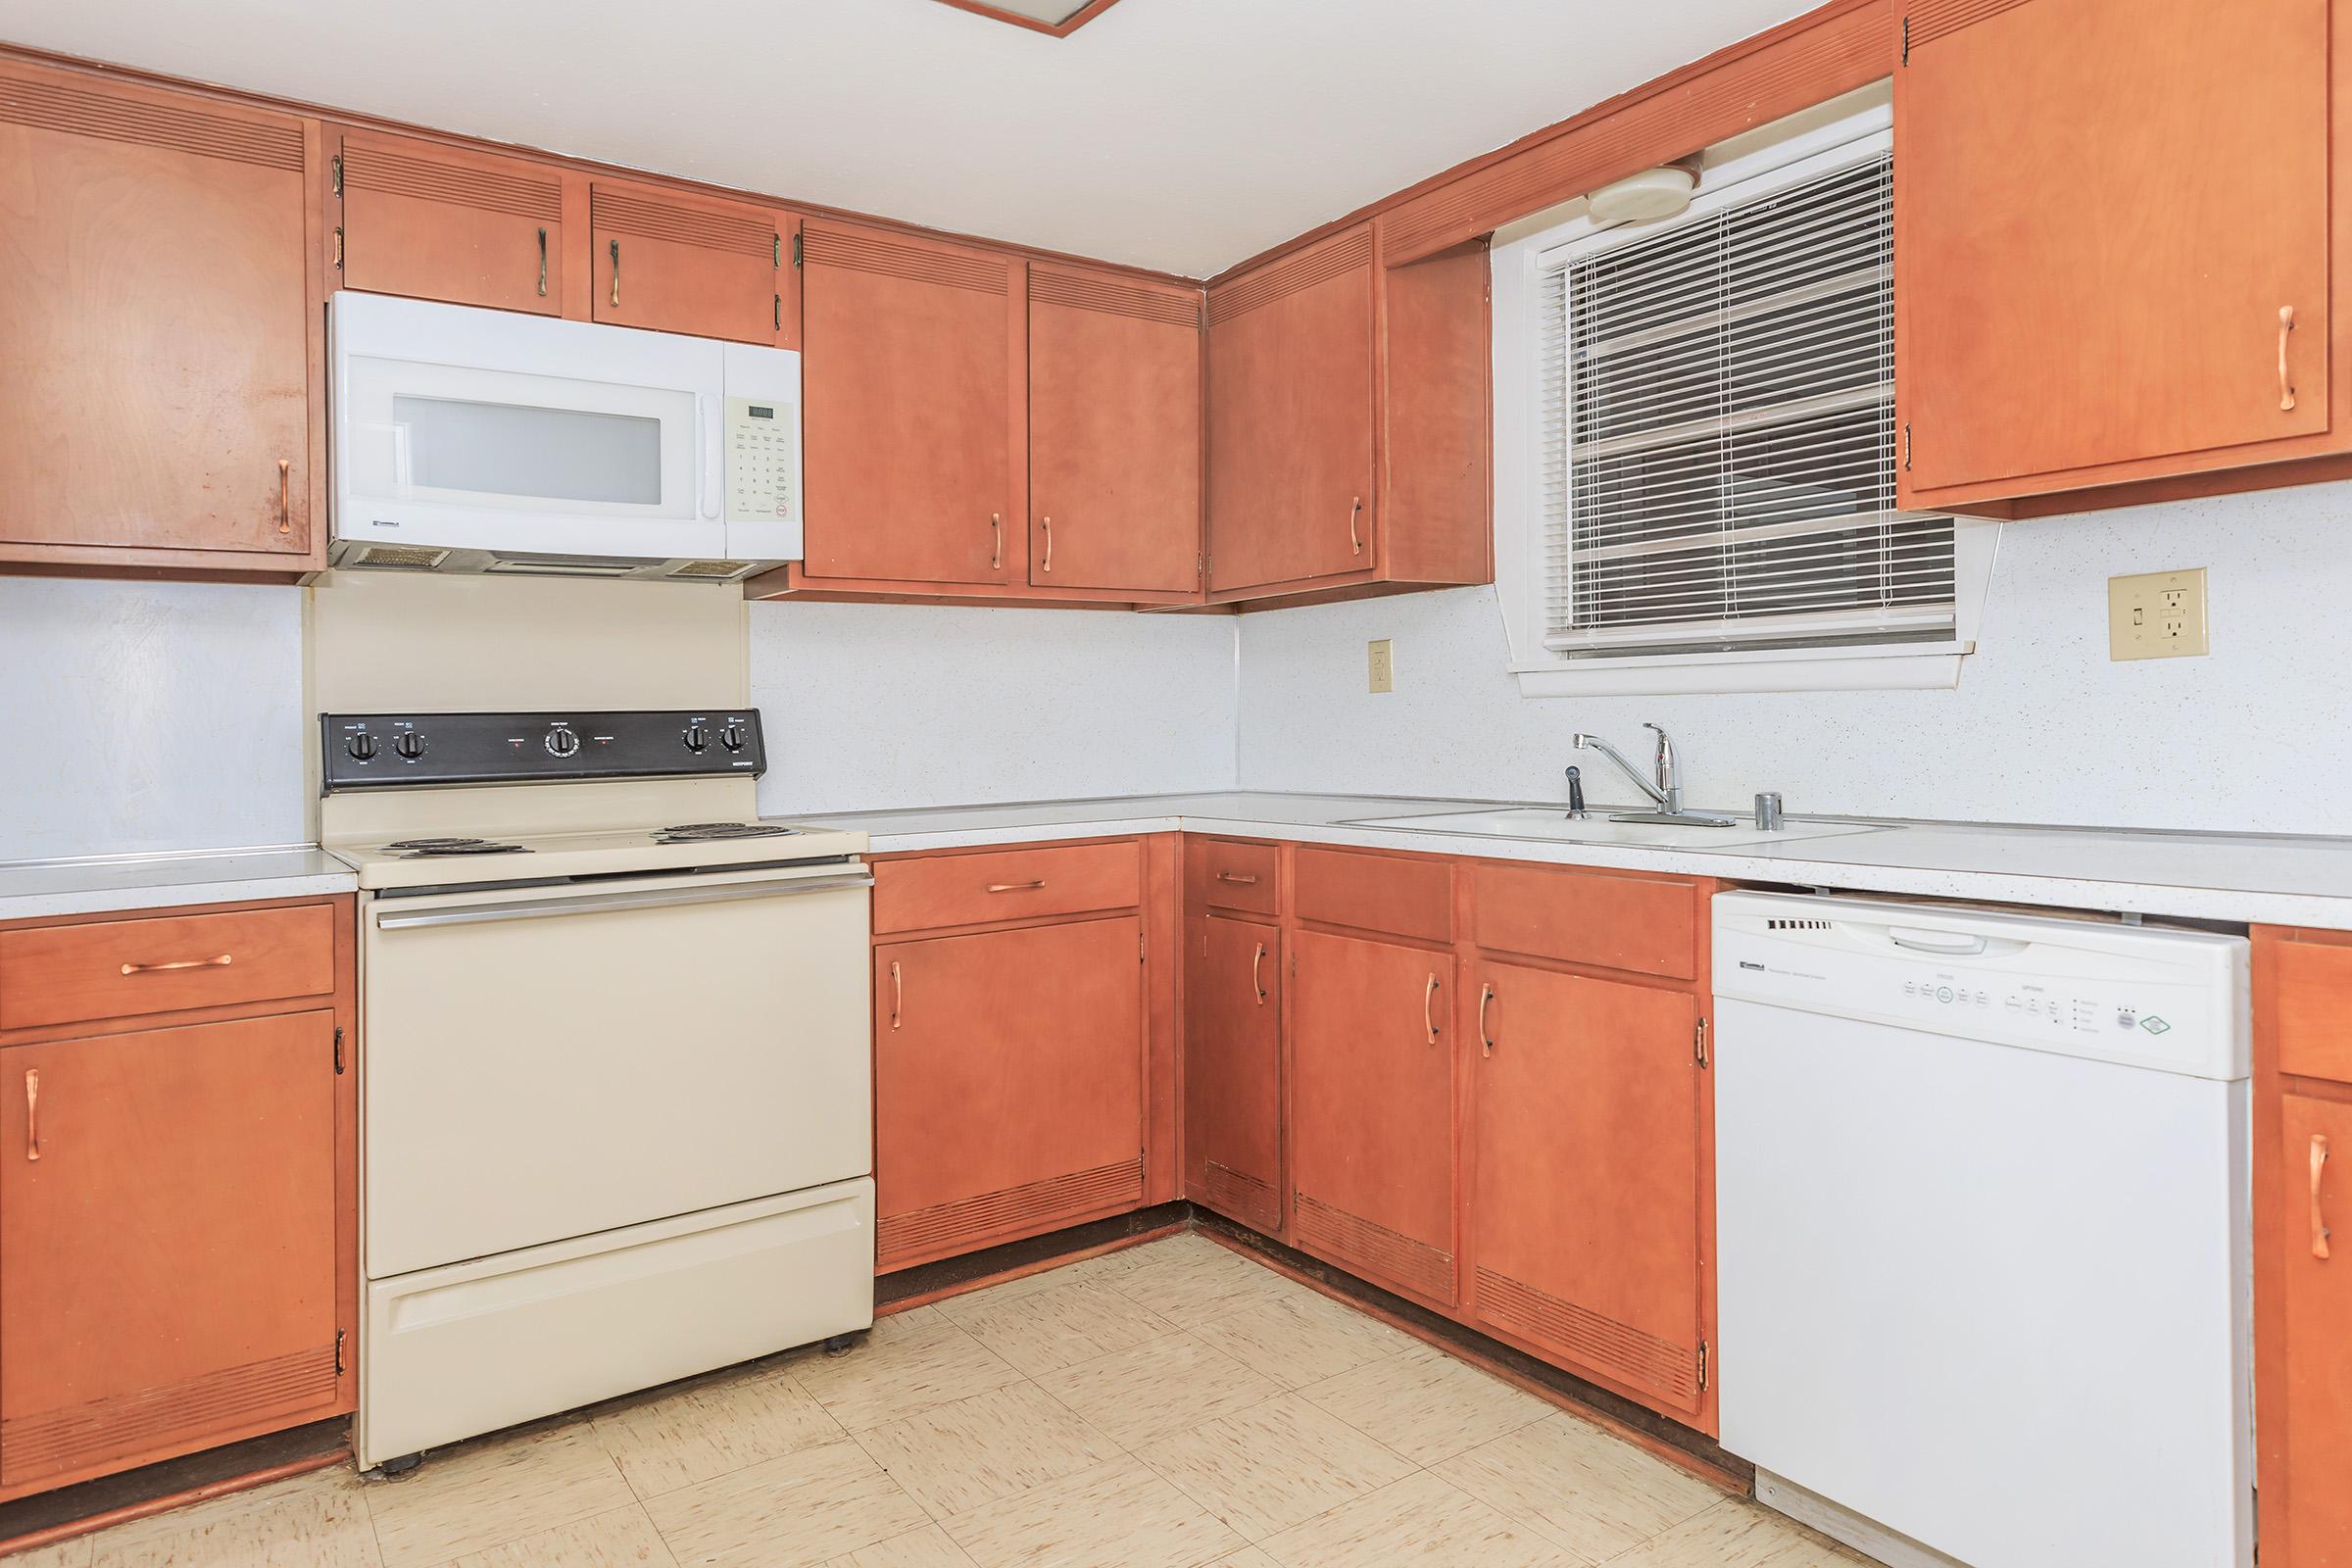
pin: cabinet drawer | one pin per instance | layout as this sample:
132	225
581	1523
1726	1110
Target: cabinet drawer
1005	885
124	968
1374	893
2312	991
1223	875
1610	922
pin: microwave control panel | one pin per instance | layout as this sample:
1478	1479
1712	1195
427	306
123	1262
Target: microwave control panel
763	459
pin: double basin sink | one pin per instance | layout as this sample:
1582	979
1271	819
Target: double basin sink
1553	824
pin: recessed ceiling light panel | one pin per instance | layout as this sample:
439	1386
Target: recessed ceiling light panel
1060	18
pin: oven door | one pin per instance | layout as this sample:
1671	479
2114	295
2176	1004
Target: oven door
544	1064
457	428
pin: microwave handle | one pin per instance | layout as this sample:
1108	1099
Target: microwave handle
708	439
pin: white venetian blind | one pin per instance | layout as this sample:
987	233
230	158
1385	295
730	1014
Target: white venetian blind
1719	428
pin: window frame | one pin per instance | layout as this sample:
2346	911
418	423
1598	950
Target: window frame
1806	146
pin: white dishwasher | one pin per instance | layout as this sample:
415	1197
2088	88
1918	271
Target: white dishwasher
1982	1229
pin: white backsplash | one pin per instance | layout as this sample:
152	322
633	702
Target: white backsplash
140	718
887	706
2041	728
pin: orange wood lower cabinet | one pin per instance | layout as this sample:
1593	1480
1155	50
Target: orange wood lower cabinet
2312	1507
168	1226
1232	1081
1585	1239
1371	1109
1008	1084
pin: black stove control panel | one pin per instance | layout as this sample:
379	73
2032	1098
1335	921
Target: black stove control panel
393	751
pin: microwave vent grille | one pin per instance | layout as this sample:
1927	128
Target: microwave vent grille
710	569
401	557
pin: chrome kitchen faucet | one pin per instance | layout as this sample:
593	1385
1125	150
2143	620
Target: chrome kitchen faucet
1666	792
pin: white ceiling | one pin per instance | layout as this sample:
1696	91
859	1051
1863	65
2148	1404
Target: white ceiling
1180	134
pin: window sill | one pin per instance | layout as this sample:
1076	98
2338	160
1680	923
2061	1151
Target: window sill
1804	670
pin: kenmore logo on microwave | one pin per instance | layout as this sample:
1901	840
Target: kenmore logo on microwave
1750	963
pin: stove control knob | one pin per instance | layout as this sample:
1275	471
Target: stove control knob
362	747
732	737
409	745
698	738
562	741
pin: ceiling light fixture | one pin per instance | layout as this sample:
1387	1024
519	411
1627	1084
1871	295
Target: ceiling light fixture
1056	18
1652	194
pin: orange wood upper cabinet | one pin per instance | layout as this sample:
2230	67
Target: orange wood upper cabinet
1289	419
2306	1417
1233	1069
1586	1153
1348	422
676	263
1009	1072
2104	210
168	1219
442	222
156	326
1114	432
914	368
1371	1109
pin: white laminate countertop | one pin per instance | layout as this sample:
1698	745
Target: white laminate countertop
43	889
2231	877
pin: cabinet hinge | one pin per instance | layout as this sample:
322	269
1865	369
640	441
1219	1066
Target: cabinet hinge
796	250
338	1051
338	247
339	1332
775	250
1702	1366
335	163
1906	448
1906	40
1699	1043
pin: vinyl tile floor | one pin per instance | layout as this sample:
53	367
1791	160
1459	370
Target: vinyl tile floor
1172	1406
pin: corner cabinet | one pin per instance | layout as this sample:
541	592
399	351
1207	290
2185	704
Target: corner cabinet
164	364
1348	424
2118	235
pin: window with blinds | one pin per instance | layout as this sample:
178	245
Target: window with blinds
1717	421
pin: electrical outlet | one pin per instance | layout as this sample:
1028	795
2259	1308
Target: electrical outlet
1380	664
2157	615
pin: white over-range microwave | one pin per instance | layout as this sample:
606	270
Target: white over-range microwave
473	440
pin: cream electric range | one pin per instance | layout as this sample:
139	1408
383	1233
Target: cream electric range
616	1082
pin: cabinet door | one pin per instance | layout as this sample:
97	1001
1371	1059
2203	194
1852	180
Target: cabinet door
1232	1067
1584	1216
2102	209
1114	433
1007	1084
167	1239
1289	419
156	324
915	398
2313	1430
1371	1109
679	264
437	223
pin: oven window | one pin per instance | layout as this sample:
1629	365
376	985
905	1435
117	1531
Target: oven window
511	449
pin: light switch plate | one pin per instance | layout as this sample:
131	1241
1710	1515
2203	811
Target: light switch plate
1380	664
2157	615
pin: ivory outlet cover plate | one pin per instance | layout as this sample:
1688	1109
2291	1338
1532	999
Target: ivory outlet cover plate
2157	615
1380	664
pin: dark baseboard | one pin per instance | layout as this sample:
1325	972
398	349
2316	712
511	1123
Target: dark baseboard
171	1478
929	1279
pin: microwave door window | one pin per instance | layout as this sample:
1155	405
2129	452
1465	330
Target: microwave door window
450	445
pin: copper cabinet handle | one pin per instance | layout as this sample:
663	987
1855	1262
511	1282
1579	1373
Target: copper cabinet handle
2318	1221
1017	887
1256	962
1428	1019
1485	994
286	515
543	264
32	1113
218	960
1048	525
898	994
1238	878
2286	389
996	554
616	253
1355	540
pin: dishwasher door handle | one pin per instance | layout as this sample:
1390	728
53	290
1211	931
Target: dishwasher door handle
1950	944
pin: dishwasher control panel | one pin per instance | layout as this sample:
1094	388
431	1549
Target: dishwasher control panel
2171	999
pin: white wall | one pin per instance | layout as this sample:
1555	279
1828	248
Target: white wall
885	706
148	716
2042	727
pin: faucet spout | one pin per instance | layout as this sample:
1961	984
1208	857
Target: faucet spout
1658	796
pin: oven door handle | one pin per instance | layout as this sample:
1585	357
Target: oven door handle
604	903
